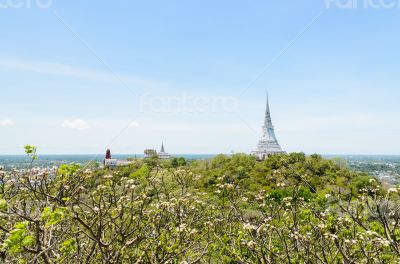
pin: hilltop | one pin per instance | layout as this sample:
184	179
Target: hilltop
290	208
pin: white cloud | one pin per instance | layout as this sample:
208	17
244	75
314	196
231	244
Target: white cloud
59	69
7	122
77	124
134	124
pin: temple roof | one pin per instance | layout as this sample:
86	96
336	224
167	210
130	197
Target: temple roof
268	144
162	148
268	119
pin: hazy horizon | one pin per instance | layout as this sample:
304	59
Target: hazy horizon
200	154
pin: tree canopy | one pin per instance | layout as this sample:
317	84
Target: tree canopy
231	209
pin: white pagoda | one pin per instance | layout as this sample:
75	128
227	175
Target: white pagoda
268	144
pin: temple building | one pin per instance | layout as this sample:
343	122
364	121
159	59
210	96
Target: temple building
150	153
109	161
268	144
162	154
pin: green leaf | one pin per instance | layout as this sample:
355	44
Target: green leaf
69	246
28	241
3	205
18	238
53	217
31	151
46	213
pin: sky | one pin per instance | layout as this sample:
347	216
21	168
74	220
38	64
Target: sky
77	77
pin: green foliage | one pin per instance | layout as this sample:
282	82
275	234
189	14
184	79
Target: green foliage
230	209
182	161
18	238
31	151
69	246
66	171
152	162
3	205
53	217
140	173
174	162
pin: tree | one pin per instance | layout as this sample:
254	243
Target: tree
174	162
182	161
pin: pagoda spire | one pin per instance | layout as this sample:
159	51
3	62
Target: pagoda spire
163	155
162	147
268	144
268	119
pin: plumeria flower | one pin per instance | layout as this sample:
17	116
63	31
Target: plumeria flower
248	226
251	244
181	228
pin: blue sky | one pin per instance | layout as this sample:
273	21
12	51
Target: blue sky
79	76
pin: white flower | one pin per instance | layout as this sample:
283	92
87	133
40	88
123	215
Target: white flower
251	244
334	237
327	195
130	181
392	190
268	219
229	186
248	226
209	224
181	228
385	242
